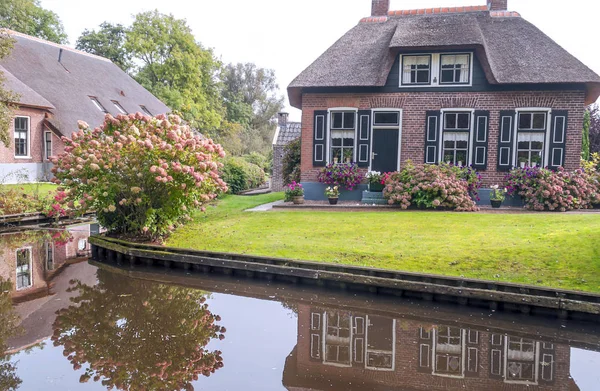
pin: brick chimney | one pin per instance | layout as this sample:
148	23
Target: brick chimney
380	7
497	5
282	119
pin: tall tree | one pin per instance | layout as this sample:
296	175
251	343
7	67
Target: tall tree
6	96
109	42
28	17
594	128
176	68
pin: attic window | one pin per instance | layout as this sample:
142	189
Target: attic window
416	69
98	105
145	110
426	70
119	107
455	68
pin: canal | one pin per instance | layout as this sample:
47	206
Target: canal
71	324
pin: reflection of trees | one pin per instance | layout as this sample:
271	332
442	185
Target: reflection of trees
8	328
138	335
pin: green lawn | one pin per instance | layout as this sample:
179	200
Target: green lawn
557	250
41	188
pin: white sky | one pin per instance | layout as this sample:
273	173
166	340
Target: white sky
288	35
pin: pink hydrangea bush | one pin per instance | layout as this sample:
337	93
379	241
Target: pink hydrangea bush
142	175
430	187
560	190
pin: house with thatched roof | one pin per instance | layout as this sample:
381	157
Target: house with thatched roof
57	86
474	86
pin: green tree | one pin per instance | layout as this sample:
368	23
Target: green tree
6	97
585	147
109	42
176	68
28	17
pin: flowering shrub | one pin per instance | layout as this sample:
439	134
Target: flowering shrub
544	189
347	175
332	192
429	186
294	189
375	177
142	175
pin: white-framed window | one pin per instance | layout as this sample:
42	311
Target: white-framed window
24	269
81	244
98	105
456	136
416	69
47	145
22	130
338	337
436	69
521	360
49	251
531	135
145	110
119	107
342	136
448	352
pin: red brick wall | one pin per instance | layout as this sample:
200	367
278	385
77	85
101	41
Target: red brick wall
415	104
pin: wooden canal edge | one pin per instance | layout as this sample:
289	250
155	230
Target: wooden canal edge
491	294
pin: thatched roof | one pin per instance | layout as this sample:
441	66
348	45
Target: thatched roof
67	85
511	50
25	95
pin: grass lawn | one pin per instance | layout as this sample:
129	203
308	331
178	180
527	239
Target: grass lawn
556	250
41	188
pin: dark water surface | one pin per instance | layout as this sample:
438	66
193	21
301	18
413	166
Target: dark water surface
89	328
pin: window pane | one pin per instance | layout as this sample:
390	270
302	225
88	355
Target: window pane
336	142
524	121
423	76
537	145
461	157
447	76
463	120
450	121
448	144
348	142
523	145
336	153
349	120
461	145
337	120
539	121
386	118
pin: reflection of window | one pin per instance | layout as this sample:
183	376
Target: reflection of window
455	68
24	279
81	244
22	136
416	69
521	358
49	250
337	339
457	127
448	351
343	124
531	133
380	343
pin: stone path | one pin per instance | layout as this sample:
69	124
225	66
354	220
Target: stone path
265	207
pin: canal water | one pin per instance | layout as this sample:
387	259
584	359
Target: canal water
70	324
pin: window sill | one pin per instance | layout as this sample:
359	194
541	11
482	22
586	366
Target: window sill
24	157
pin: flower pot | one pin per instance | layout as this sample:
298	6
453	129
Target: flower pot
459	163
298	200
333	201
495	203
596	206
376	187
522	164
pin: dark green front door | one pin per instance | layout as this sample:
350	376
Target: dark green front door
385	150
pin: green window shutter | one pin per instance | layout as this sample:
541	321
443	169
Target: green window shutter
320	138
506	140
558	139
480	140
432	136
363	154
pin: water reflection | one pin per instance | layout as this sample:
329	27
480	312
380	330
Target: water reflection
8	328
138	335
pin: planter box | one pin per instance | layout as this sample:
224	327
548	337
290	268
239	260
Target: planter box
376	187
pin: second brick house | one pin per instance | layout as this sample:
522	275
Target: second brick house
476	86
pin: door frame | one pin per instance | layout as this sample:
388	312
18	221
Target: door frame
399	127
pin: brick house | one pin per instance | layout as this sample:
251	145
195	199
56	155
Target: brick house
286	132
57	86
475	85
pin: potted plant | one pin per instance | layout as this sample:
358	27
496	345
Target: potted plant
497	196
376	182
536	161
332	193
523	161
448	159
294	192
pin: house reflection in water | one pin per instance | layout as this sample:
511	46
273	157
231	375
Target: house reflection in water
336	348
32	259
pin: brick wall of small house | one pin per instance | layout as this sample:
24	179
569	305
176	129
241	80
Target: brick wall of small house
7	154
277	175
415	105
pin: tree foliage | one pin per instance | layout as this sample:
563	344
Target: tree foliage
107	42
138	335
585	140
176	68
28	17
291	162
594	128
6	96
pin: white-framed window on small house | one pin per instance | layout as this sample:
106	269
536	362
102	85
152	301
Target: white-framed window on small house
456	136
448	351
416	69
521	360
24	276
98	105
531	135
119	107
338	336
47	145
342	134
22	130
455	68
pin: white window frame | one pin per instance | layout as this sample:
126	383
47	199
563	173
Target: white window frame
367	350
399	127
325	324
536	364
471	135
30	268
436	70
28	156
119	107
49	248
463	345
328	158
46	133
547	133
416	84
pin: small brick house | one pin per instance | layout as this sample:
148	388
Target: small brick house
286	132
475	85
57	86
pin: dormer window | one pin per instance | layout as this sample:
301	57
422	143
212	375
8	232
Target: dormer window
455	68
98	105
119	107
417	70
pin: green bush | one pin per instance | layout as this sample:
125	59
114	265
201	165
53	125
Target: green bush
291	162
259	160
241	175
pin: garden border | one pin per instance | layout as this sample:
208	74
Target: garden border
493	294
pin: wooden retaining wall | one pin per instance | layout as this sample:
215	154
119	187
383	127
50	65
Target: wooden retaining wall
494	295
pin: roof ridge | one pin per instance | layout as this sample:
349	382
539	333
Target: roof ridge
439	10
44	41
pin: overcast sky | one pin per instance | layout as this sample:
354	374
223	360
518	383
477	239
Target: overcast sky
288	35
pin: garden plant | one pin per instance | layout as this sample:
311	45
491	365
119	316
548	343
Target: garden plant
346	175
